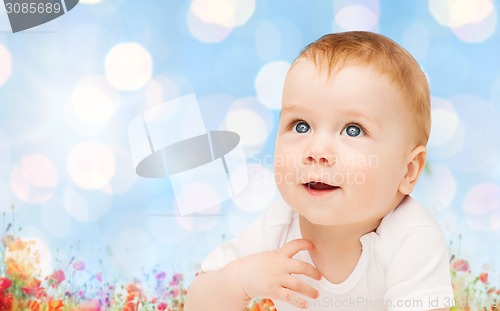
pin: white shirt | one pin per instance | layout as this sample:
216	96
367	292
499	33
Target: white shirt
404	264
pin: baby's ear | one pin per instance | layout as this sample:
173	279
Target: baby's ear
414	165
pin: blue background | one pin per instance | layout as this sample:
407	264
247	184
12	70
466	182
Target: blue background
122	224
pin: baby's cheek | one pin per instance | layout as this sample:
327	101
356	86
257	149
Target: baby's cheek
283	174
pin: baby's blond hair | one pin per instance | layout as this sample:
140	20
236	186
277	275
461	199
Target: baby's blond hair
334	51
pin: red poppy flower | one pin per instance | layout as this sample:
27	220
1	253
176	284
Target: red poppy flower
461	265
483	277
56	278
5	283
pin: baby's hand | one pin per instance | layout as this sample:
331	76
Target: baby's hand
268	274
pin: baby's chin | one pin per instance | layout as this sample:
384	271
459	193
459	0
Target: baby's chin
315	216
317	220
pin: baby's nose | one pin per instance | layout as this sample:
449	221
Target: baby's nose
320	153
327	160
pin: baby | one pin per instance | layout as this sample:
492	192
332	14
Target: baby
350	148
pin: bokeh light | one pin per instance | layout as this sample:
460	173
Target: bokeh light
129	66
254	130
472	21
457	13
92	105
269	83
447	131
206	32
91	165
482	206
478	32
227	13
39	171
437	187
445	125
356	17
373	5
94	101
5	64
153	94
34	179
249	125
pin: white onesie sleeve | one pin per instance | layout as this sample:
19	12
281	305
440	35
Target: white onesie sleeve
418	277
265	233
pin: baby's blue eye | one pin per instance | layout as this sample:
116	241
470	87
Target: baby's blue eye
353	131
301	127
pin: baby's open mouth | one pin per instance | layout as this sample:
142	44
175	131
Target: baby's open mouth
317	185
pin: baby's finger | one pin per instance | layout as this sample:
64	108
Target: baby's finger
296	266
287	295
293	247
300	287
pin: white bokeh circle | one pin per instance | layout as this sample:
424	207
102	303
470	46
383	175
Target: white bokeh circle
92	105
227	13
128	66
269	83
251	127
91	165
457	13
478	32
34	179
357	17
472	21
206	32
482	206
445	124
437	187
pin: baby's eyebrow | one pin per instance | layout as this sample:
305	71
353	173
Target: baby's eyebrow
347	113
289	109
361	115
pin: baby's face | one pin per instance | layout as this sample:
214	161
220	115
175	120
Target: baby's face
340	150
